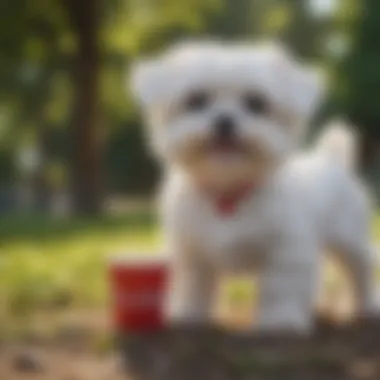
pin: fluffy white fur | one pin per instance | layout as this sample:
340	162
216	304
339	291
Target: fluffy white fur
301	204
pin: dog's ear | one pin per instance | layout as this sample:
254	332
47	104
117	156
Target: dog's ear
309	88
147	81
305	86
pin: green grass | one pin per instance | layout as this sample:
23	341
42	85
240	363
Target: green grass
48	264
53	264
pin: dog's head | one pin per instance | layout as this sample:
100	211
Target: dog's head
226	112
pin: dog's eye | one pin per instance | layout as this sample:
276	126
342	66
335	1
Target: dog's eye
257	104
197	101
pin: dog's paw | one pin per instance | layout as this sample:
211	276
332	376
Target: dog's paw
284	326
371	310
185	318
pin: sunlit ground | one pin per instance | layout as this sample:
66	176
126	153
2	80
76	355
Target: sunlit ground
54	312
51	269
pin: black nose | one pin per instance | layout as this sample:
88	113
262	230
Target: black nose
225	127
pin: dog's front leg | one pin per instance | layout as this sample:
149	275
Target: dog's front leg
191	290
287	288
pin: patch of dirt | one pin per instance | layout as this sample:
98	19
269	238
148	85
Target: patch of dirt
28	362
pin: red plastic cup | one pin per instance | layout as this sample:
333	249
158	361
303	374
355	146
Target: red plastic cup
138	286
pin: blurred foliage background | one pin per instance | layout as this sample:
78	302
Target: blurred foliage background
69	132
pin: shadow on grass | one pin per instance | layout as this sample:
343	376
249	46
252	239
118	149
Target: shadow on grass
37	227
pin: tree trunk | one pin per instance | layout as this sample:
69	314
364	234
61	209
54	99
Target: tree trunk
86	141
42	190
369	152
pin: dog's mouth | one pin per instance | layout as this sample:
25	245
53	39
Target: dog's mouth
226	147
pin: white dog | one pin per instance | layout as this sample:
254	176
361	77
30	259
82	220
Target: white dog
226	121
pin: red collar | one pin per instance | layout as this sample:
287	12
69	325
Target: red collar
226	203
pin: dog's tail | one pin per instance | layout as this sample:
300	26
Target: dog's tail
339	141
